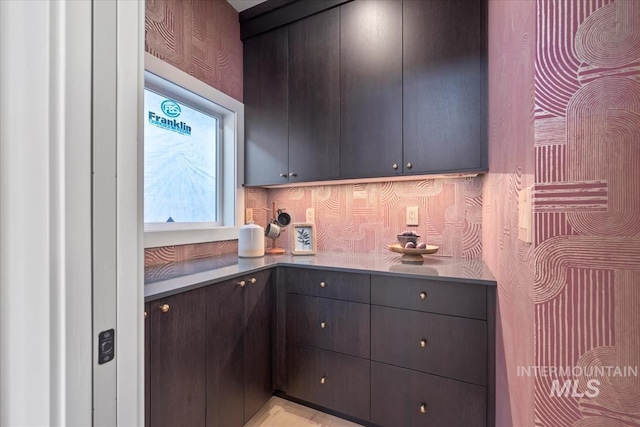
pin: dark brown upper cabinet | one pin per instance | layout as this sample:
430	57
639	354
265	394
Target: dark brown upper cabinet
314	97
371	88
365	89
266	112
444	84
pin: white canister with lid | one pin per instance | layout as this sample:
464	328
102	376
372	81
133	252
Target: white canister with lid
250	241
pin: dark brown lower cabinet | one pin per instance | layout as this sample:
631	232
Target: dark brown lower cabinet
209	353
340	326
449	346
333	380
401	397
177	360
225	354
259	342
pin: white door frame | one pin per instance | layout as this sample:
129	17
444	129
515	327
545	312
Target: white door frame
46	340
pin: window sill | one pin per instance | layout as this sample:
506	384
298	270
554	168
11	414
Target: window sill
154	239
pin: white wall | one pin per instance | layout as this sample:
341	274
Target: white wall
45	275
45	213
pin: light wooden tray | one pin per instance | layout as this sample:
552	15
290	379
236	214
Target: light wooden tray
412	256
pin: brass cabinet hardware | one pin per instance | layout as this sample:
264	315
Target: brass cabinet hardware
241	283
323	380
423	295
283	175
252	280
423	408
323	325
322	284
164	308
409	165
145	314
423	343
395	166
293	174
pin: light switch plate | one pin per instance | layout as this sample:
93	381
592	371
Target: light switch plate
412	215
525	214
310	216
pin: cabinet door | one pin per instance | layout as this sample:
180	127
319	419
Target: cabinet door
177	360
371	88
225	354
333	380
443	85
401	397
334	325
314	97
259	338
265	103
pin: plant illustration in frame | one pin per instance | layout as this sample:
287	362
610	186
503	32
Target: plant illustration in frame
303	239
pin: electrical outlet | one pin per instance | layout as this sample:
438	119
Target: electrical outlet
412	215
248	215
310	216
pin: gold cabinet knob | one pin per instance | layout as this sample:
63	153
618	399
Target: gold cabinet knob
323	380
409	165
145	314
164	308
423	295
252	280
423	343
423	408
293	174
322	284
395	166
241	283
323	325
283	175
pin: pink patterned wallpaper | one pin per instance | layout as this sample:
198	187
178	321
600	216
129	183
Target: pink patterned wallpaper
200	37
587	207
511	169
367	217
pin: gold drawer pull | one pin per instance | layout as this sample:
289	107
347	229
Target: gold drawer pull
423	343
409	165
323	380
395	166
164	308
145	314
241	283
323	325
252	280
423	408
423	295
322	284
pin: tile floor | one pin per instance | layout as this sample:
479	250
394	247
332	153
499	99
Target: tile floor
282	413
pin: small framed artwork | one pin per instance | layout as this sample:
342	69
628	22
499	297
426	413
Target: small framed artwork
303	239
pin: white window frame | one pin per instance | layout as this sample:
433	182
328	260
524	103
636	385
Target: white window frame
231	114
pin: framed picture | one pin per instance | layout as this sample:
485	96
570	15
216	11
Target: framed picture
303	239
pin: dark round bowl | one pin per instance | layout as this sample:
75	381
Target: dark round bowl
404	239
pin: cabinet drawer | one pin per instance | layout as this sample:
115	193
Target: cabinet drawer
449	346
328	379
329	324
397	396
328	284
456	299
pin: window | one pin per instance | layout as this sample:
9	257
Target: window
181	159
193	159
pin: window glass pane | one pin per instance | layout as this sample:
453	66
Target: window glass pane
180	162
